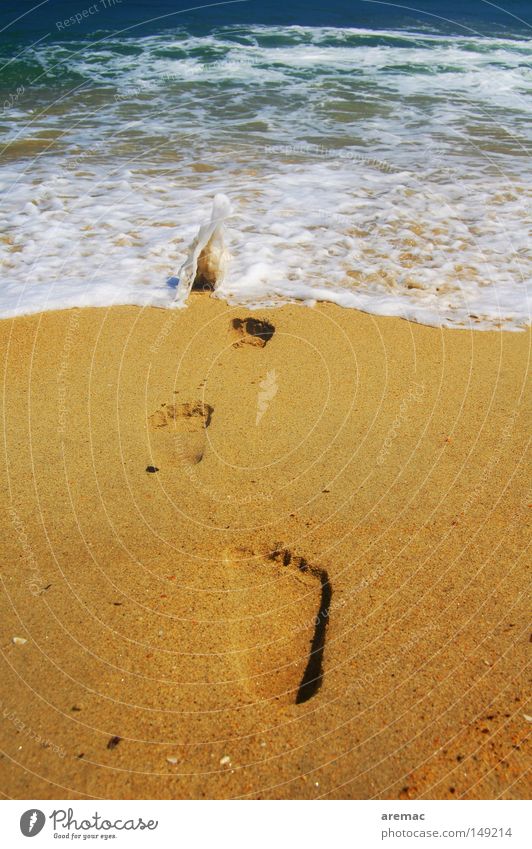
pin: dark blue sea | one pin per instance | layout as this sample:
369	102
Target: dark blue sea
24	22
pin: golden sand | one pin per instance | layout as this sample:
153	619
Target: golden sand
319	589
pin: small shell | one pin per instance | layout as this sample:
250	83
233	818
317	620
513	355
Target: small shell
19	641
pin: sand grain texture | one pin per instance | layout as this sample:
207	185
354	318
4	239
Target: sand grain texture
353	490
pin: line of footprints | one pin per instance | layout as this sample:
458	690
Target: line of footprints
179	429
279	646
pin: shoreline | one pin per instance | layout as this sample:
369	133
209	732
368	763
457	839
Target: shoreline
174	609
311	298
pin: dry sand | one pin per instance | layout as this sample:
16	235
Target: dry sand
320	593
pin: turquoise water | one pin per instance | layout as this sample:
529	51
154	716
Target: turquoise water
382	167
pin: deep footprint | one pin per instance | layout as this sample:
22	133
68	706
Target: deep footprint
278	610
179	431
251	331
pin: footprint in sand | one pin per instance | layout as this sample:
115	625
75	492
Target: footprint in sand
277	615
251	331
178	431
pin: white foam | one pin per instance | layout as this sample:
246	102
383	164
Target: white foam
386	243
207	256
399	189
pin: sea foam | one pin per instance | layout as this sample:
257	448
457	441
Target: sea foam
382	171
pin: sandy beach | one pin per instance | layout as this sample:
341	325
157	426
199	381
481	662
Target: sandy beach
270	554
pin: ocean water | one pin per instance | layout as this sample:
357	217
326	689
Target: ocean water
374	156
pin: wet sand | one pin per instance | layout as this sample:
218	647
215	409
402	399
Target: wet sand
277	554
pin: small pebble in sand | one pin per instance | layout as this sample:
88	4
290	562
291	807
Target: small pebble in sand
527	717
225	761
113	742
152	469
19	641
172	760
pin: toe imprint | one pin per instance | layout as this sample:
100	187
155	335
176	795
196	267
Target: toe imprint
251	331
179	430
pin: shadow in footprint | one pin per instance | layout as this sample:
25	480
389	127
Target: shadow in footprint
312	678
252	331
179	431
313	675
